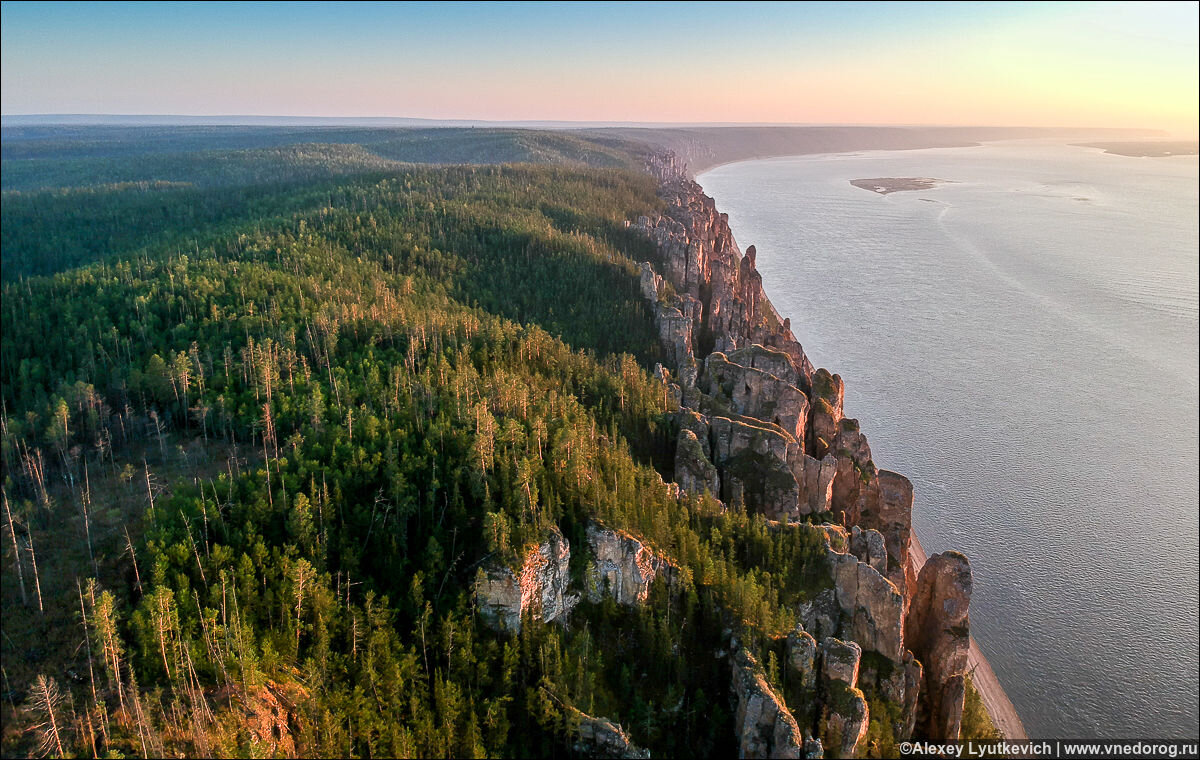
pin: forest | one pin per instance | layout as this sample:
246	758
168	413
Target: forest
269	410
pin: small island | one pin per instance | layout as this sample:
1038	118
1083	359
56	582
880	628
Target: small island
886	185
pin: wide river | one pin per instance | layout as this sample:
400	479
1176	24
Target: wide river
1021	342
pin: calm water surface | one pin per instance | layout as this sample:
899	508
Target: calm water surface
1022	343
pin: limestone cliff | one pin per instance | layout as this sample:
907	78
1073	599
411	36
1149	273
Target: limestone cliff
765	431
539	587
765	727
600	737
939	635
622	566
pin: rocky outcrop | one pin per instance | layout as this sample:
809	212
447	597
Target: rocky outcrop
868	545
754	463
816	483
651	283
846	719
755	393
899	685
622	567
855	472
690	419
822	614
937	631
769	360
802	654
892	517
540	587
600	737
675	332
765	728
840	660
701	260
693	472
763	430
828	393
871	606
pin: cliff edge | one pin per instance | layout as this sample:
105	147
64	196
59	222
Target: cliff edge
761	429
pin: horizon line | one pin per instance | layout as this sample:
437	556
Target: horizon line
81	119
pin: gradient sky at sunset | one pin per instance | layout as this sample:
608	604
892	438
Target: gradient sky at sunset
1035	64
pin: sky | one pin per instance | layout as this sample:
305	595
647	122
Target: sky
1003	64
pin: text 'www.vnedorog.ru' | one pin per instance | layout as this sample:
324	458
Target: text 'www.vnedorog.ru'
1053	749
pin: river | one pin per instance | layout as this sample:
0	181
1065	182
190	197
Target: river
1021	341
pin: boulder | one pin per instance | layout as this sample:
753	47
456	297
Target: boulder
840	661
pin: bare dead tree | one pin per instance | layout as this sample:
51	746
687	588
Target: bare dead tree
133	556
37	581
85	503
16	549
47	700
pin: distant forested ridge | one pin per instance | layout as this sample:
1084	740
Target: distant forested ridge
294	418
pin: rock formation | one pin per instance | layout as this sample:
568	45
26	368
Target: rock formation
871	607
753	392
753	458
622	566
765	728
802	654
693	471
540	587
600	737
828	392
764	431
868	545
840	660
937	631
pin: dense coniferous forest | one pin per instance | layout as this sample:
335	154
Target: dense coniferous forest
269	412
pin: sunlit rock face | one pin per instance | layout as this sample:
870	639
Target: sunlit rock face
764	431
540	587
622	567
600	737
937	630
765	728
